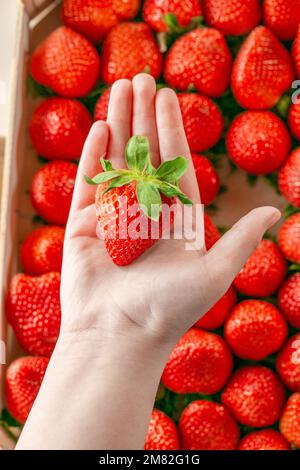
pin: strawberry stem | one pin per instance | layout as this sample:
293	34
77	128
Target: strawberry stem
174	27
151	182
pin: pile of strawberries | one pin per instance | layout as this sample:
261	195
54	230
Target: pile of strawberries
233	380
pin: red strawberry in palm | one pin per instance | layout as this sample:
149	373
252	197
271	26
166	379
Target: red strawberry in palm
212	233
101	107
157	13
207	178
66	62
128	49
125	198
264	271
258	142
289	178
205	425
288	363
289	300
255	329
52	190
234	18
199	59
262	71
216	316
255	396
42	250
23	380
202	120
296	53
200	363
266	439
33	310
282	17
94	18
289	238
290	420
162	433
58	128
294	120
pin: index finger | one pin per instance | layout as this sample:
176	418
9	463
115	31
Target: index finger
95	146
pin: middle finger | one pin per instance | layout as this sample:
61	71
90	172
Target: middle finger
143	118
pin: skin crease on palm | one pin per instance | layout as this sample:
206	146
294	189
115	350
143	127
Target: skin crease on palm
116	316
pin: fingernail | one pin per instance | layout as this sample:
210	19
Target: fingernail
274	217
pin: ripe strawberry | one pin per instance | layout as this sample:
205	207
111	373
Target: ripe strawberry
202	120
101	107
264	271
94	18
234	18
33	310
296	53
289	178
58	128
207	177
162	433
155	11
216	316
255	396
212	234
205	425
133	197
282	17
41	251
199	59
289	300
258	142
109	210
200	363
266	439
289	238
52	190
262	71
128	49
255	329
290	420
23	380
294	120
66	62
288	363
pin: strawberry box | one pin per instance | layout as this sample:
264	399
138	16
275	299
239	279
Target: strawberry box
36	19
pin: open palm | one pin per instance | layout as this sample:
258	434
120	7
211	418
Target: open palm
169	287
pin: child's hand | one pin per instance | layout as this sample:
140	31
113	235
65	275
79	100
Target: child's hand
166	290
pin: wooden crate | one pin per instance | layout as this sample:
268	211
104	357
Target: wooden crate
36	19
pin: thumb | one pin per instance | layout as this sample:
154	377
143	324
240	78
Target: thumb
227	257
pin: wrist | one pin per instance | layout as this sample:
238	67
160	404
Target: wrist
130	346
89	374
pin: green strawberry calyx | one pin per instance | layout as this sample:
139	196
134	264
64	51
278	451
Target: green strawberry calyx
175	30
174	27
150	182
